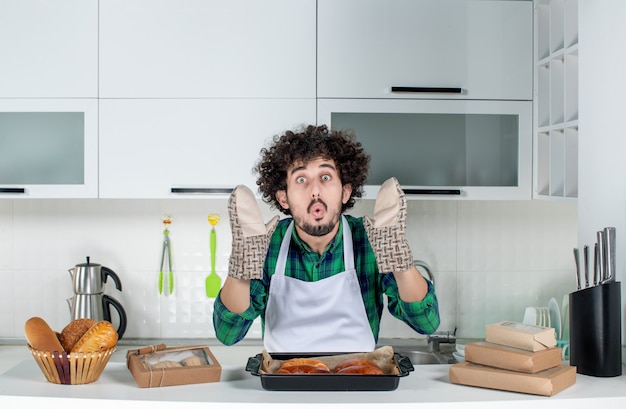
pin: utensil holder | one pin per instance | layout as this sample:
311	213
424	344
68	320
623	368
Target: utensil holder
596	331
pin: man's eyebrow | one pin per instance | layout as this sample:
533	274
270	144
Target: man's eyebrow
301	167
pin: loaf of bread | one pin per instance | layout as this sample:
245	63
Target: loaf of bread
358	366
100	337
74	331
41	337
305	362
299	369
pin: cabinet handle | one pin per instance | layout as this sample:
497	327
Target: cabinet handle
12	190
435	90
201	190
432	191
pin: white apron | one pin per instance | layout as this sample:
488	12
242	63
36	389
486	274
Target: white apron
321	316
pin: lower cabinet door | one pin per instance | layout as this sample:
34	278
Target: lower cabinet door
188	148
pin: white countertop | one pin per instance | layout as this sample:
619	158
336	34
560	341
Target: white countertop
21	383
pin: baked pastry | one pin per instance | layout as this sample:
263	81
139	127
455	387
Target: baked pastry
193	361
100	337
74	331
302	365
41	337
361	370
305	361
358	366
167	364
299	369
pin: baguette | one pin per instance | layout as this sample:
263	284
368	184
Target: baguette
41	337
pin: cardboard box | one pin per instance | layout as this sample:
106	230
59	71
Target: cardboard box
158	365
523	336
514	359
545	383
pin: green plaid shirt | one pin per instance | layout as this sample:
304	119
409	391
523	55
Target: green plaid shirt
307	265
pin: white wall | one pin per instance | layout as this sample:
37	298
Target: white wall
602	105
491	259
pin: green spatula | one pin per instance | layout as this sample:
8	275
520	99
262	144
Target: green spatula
213	283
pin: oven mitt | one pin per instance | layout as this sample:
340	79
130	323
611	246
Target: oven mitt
387	232
250	235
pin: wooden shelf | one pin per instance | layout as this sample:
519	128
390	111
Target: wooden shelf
556	99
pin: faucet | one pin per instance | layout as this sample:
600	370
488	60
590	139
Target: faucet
443	337
425	267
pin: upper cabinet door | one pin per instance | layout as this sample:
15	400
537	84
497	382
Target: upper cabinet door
207	48
48	148
481	48
48	49
188	148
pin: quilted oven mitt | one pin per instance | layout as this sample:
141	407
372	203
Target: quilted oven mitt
387	232
250	235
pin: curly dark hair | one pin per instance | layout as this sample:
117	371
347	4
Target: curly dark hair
309	143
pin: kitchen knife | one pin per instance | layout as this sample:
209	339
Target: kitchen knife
577	263
609	236
586	261
601	255
596	265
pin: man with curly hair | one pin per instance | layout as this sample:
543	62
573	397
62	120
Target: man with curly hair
317	278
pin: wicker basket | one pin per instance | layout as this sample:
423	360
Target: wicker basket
74	368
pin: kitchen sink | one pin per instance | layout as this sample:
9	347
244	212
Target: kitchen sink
437	349
424	357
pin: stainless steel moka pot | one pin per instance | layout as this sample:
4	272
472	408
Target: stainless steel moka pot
89	301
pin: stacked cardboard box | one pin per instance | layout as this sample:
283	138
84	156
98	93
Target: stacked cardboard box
515	357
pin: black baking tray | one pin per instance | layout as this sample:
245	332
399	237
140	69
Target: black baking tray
327	382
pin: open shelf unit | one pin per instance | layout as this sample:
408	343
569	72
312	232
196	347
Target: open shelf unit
556	100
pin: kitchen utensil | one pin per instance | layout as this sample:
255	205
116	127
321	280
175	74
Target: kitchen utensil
213	283
327	382
609	236
89	278
586	261
601	254
596	265
166	251
577	264
89	301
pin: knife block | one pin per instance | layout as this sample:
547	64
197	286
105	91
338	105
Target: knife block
596	330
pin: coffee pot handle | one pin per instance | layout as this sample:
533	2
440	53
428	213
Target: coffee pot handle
105	271
107	302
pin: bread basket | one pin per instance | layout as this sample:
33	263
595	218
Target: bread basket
75	368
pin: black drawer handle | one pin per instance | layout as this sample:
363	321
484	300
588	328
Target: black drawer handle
434	90
201	190
432	191
12	190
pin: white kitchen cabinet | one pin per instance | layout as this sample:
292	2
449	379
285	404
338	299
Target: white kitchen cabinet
207	48
48	49
473	49
188	148
556	100
48	148
438	149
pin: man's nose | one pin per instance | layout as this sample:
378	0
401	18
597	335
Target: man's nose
315	189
